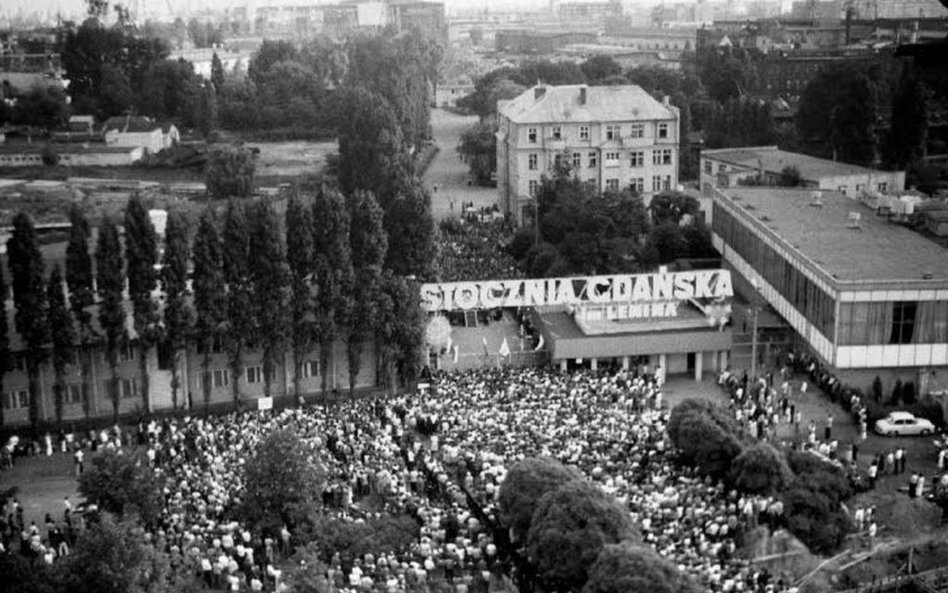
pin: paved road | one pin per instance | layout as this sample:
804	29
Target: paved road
447	177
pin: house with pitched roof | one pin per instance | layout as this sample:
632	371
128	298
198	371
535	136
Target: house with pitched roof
141	131
614	137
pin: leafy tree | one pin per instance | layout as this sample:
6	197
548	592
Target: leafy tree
22	574
280	482
172	90
269	53
300	256
479	148
217	72
110	282
838	114
333	270
63	336
209	116
115	557
525	484
123	483
372	149
668	242
905	143
672	206
760	469
307	571
43	107
292	95
411	231
174	285
629	567
599	68
81	294
269	286
241	323
705	435
29	299
815	520
328	536
790	177
569	528
141	256
229	172
369	244
400	332
727	74
210	302
687	155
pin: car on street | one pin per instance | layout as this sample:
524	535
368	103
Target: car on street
903	424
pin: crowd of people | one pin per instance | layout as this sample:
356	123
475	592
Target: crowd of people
475	248
441	457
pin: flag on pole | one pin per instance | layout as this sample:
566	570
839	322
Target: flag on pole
486	350
505	348
457	349
540	344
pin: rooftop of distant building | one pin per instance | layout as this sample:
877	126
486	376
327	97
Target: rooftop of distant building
878	251
582	103
774	160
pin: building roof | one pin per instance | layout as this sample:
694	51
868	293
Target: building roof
130	123
774	160
879	251
563	104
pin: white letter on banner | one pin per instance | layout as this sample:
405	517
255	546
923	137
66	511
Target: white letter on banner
621	288
465	295
431	297
642	291
513	297
723	287
492	295
564	293
703	285
663	286
533	293
684	285
593	292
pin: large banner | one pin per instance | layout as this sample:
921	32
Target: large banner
618	289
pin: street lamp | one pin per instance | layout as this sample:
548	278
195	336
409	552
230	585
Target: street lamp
756	306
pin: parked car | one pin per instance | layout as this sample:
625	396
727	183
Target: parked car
903	424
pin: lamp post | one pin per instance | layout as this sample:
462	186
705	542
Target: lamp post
756	307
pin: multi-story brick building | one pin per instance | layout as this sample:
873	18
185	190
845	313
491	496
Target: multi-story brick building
614	137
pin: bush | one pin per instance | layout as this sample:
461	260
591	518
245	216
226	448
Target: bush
815	520
706	436
760	469
523	487
124	484
569	529
385	534
634	568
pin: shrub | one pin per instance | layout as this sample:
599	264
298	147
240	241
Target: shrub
815	520
124	484
634	568
525	484
352	540
706	436
760	469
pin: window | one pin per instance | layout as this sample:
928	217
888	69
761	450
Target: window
903	322
128	388
656	183
667	182
254	374
722	168
612	132
532	135
221	377
592	160
883	186
19	362
656	157
310	369
16	399
860	187
612	159
842	189
74	393
584	132
637	158
534	185
532	162
638	131
666	156
612	185
557	133
591	182
663	130
126	352
637	184
577	160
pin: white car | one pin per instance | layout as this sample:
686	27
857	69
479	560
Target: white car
903	424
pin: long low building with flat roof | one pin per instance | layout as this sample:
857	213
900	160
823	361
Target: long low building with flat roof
868	296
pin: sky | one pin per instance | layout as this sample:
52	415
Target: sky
72	8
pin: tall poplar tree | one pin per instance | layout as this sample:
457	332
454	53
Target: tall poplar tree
333	271
210	300
299	249
174	285
241	329
110	282
81	295
63	335
141	256
29	298
270	283
369	244
4	337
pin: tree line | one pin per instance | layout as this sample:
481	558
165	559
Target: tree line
245	280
